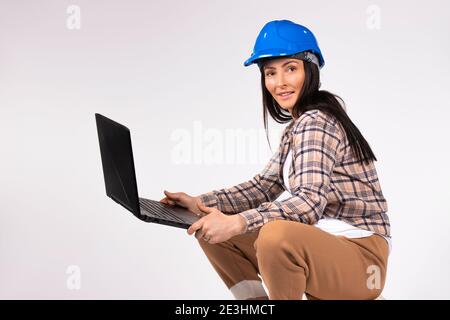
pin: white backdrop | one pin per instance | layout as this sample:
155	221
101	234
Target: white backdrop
171	69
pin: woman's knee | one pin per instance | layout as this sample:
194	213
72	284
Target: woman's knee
271	237
279	236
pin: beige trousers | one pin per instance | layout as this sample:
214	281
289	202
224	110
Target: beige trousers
293	259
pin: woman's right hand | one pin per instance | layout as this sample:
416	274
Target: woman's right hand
184	200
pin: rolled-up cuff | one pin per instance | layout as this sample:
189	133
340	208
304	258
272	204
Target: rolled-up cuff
253	218
248	289
209	199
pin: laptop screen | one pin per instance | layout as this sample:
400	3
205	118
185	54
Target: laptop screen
117	161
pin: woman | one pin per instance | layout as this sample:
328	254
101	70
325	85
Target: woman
330	238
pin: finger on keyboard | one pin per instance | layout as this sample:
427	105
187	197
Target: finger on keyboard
166	201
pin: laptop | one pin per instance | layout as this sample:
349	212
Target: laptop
120	178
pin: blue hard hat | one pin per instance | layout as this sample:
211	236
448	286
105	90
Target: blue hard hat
280	38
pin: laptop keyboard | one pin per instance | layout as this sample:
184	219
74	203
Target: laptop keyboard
158	210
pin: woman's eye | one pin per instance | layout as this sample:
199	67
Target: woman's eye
271	73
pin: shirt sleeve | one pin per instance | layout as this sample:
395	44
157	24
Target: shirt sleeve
263	187
315	145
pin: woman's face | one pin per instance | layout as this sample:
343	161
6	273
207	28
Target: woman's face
284	75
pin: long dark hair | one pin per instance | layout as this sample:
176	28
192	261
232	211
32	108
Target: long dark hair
312	98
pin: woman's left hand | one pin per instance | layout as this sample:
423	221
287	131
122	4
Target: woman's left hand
217	227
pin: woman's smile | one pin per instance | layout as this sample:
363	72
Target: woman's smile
286	96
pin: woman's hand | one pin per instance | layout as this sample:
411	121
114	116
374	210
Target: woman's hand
182	199
217	227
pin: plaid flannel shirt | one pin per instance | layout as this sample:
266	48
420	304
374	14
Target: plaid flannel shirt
325	181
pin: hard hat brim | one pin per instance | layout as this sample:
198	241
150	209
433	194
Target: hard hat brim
261	55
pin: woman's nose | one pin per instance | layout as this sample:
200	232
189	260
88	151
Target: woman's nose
280	80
